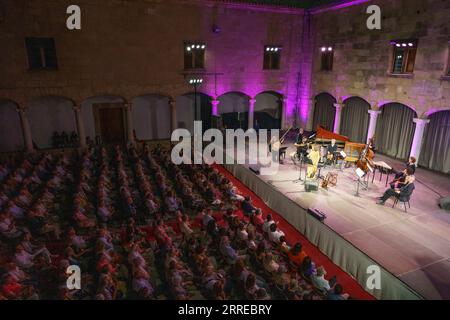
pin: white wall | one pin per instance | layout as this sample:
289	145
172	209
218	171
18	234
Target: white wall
151	117
11	138
49	114
88	115
233	102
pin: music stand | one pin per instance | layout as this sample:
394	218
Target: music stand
300	169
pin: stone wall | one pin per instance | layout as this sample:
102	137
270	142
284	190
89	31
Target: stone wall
131	48
362	56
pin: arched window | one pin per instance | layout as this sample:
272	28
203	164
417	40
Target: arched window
324	111
395	130
435	152
268	109
355	119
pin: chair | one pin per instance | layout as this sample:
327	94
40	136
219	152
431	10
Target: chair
404	198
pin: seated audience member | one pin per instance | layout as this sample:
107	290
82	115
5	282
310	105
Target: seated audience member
307	268
296	254
337	293
275	233
266	226
319	280
247	206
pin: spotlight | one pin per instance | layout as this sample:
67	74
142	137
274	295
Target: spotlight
323	49
267	49
330	48
198	46
188	48
410	44
203	46
276	49
403	44
397	44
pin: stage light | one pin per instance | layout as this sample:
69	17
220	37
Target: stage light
188	48
198	46
324	49
330	48
397	45
410	44
403	44
267	49
192	46
276	49
203	46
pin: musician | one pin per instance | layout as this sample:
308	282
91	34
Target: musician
331	150
275	145
405	190
314	157
300	143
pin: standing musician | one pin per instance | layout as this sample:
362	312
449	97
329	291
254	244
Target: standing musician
300	143
331	151
314	157
275	145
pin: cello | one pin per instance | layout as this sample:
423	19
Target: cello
365	161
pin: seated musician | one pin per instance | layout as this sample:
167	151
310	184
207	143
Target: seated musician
275	148
411	163
331	151
314	156
406	188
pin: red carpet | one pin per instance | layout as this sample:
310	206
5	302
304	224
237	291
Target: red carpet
350	285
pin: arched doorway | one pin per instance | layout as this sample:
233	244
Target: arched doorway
435	153
233	109
192	107
395	130
11	138
48	115
105	119
355	119
268	110
151	117
324	111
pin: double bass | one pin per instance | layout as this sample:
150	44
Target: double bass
365	161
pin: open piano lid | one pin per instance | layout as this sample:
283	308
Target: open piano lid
323	134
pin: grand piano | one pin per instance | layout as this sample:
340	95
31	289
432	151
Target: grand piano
351	149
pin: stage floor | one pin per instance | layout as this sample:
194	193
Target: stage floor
414	246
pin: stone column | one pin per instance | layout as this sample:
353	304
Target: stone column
251	113
418	137
80	126
337	117
173	114
130	127
372	123
215	110
283	112
310	102
26	130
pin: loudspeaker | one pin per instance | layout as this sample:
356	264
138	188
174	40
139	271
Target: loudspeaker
444	203
255	170
319	215
311	185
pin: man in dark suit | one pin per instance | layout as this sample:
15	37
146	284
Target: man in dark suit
404	191
247	206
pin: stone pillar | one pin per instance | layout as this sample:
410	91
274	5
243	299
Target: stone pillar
130	127
215	110
283	113
372	123
173	114
418	137
251	113
80	126
337	117
310	102
26	130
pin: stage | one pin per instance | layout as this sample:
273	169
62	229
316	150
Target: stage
413	246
